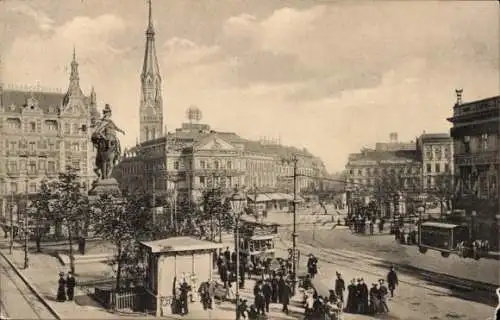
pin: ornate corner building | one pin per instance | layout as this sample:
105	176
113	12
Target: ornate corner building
41	133
475	134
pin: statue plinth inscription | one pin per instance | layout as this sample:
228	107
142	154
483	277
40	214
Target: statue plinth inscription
105	186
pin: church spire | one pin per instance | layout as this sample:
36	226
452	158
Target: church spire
74	78
151	108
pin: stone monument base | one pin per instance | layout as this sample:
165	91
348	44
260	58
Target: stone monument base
105	186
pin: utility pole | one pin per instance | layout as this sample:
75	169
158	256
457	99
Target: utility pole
255	200
11	240
294	234
26	231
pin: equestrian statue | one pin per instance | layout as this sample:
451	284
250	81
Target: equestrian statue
106	143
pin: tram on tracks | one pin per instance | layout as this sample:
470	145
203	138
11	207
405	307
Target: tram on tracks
257	239
448	238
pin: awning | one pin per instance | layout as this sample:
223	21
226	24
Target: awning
440	225
260	197
262	237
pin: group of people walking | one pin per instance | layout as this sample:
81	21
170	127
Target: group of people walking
361	300
66	287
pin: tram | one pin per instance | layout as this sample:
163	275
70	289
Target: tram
443	237
257	240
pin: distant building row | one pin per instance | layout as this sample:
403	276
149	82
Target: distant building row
416	164
194	158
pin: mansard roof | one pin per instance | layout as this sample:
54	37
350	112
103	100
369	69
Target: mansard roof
48	102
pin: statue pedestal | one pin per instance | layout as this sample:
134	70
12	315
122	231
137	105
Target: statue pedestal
105	186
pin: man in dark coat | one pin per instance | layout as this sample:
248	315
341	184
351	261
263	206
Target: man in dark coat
340	287
351	297
274	287
285	292
392	280
267	291
383	292
227	255
312	265
363	297
70	286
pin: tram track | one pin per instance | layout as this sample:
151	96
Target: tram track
31	306
435	282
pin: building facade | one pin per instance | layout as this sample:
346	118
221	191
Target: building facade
194	158
436	153
41	133
475	134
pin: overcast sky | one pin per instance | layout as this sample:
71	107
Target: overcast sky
329	76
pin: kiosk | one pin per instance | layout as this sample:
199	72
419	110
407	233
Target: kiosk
170	262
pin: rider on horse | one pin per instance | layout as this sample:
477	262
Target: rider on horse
104	134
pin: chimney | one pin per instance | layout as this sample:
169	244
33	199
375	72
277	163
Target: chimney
393	137
459	96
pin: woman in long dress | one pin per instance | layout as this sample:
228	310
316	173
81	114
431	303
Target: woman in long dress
61	289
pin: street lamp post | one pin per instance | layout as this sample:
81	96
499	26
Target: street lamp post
11	240
26	231
237	205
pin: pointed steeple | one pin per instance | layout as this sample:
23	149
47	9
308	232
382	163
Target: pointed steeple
150	66
74	77
93	99
74	80
151	108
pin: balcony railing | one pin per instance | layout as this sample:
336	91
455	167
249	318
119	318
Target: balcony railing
486	157
217	172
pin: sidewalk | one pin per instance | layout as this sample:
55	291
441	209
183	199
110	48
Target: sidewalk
43	274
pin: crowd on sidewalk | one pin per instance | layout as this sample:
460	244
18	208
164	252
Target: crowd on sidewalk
360	299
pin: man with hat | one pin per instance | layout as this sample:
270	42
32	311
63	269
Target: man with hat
70	286
339	287
374	299
392	280
363	296
383	296
61	290
351	297
312	265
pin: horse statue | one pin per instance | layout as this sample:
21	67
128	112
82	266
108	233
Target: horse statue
107	144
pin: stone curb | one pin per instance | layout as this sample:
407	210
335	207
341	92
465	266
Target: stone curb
31	287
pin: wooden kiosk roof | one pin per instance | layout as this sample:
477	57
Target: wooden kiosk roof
179	244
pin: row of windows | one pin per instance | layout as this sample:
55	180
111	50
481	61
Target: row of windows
437	168
406	182
48	126
436	152
376	171
32	146
475	144
31	166
15	187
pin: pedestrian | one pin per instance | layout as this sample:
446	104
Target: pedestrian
267	291
312	265
70	286
227	255
339	287
274	288
285	293
383	297
374	299
351	297
242	309
61	290
392	280
363	297
372	228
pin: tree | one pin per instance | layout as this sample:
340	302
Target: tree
42	212
70	206
443	189
216	208
123	222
